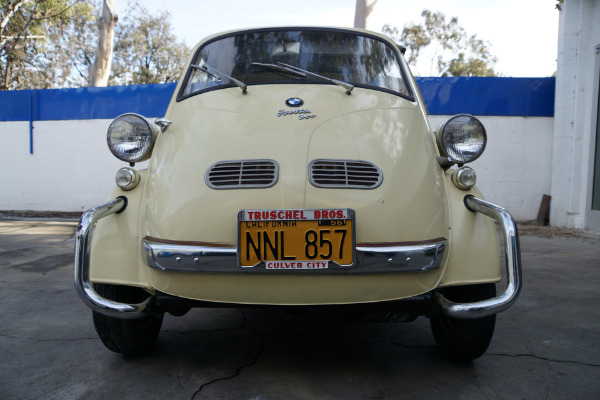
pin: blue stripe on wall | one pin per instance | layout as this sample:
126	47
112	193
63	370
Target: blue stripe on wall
527	97
444	96
85	103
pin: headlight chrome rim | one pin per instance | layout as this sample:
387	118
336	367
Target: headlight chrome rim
130	137
462	138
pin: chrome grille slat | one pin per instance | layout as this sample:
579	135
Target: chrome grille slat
350	174
242	174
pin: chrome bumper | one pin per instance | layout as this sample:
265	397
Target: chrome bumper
512	252
165	255
373	258
83	286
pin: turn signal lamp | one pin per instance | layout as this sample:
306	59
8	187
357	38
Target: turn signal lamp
464	178
127	178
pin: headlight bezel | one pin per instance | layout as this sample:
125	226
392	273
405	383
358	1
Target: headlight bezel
129	125
446	139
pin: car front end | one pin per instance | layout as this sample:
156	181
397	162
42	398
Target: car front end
296	167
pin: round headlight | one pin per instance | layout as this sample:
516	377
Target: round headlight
462	138
131	137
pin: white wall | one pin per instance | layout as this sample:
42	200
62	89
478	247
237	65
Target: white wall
515	170
579	34
71	168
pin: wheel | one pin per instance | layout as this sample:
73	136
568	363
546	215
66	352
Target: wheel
130	337
464	339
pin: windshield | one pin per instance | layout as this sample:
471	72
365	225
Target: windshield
259	57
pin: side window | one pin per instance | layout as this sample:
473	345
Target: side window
200	80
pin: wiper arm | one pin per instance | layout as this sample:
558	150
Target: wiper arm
280	68
218	75
345	85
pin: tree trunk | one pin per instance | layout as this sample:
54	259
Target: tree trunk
100	69
12	9
361	14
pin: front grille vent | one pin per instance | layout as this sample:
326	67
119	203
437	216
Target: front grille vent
242	174
341	174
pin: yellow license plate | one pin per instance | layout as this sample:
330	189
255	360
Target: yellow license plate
296	239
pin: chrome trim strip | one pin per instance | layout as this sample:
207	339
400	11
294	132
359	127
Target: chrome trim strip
218	259
188	258
513	267
83	286
410	258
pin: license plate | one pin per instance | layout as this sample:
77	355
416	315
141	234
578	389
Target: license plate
288	240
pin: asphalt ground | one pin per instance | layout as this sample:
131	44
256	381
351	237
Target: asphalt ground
547	346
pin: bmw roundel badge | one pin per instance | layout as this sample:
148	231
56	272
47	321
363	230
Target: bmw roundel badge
294	102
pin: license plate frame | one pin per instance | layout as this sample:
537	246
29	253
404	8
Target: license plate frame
332	243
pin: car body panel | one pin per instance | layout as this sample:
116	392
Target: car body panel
412	180
416	201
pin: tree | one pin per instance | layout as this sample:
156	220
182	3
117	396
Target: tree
146	50
451	50
100	69
362	11
53	43
34	44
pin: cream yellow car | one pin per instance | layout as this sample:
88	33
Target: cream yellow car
296	168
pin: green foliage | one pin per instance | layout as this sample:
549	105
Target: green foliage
52	43
36	43
146	50
451	50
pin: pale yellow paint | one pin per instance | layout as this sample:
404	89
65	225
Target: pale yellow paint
415	202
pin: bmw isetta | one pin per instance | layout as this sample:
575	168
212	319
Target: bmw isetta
296	168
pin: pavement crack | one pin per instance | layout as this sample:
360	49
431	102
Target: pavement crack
64	340
172	332
21	228
515	313
260	352
238	370
530	355
41	246
405	346
236	373
35	340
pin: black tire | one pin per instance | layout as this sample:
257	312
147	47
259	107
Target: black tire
464	339
130	337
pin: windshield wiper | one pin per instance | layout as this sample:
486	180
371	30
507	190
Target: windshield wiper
280	68
220	75
345	85
291	70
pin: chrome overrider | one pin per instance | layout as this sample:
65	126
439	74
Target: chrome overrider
375	259
512	255
83	286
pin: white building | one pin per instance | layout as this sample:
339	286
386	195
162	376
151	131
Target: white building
576	154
